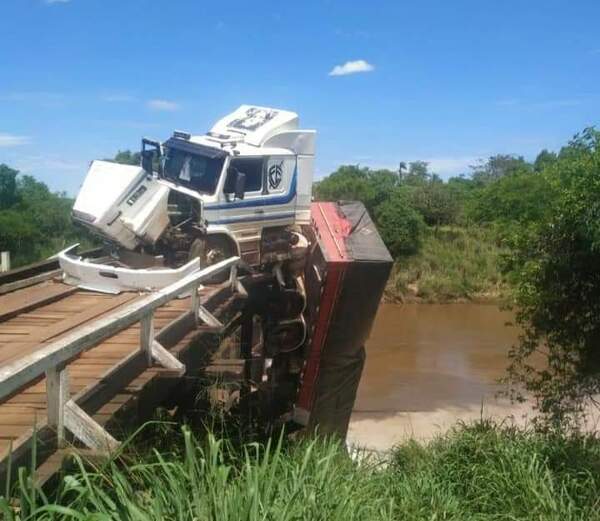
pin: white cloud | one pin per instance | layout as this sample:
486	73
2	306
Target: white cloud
351	67
10	140
451	166
118	98
545	104
557	103
163	104
41	98
508	102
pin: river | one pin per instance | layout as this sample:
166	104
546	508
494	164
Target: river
429	365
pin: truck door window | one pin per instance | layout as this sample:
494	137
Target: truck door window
252	167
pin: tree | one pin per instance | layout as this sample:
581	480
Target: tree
399	224
8	187
543	160
127	157
555	266
418	173
520	198
435	201
353	183
34	222
497	167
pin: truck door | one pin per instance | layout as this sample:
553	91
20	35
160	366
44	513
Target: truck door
242	213
279	190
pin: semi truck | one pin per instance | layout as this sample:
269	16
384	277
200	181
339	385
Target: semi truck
317	270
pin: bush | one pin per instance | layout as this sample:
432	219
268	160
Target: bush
400	225
555	267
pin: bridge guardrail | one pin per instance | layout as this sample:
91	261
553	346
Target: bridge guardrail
52	359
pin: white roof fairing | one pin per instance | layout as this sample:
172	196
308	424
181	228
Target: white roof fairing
253	131
255	124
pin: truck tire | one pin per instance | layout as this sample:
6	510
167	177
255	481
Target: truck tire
211	250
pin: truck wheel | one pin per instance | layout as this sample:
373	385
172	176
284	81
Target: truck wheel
210	251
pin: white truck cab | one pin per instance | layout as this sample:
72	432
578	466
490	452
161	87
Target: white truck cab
252	172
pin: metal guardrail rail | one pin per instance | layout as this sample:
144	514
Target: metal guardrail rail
51	360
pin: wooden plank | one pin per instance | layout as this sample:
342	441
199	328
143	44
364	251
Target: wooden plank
31	281
39	335
84	428
166	359
23	300
15	375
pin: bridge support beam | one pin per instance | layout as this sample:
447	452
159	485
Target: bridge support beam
64	414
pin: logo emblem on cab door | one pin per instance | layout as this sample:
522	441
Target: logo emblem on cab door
275	175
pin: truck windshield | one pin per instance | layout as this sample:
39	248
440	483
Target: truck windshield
193	171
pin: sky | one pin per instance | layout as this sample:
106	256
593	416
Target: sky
448	82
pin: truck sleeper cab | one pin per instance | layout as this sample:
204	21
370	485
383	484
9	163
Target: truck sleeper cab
252	172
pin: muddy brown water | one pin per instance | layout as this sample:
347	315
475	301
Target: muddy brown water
426	357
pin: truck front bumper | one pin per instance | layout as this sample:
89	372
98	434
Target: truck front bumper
105	278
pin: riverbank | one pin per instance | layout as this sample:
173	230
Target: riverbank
479	471
454	264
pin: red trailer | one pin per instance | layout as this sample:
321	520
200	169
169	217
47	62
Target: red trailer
346	273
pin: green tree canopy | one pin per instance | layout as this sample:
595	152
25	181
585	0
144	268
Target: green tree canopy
34	222
518	198
354	183
556	269
126	157
8	187
400	225
497	167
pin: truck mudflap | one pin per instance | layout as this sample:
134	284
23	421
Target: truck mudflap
345	277
105	278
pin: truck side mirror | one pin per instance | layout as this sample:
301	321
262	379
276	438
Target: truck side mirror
147	157
240	185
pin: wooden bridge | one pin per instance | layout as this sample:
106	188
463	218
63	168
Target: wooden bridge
72	360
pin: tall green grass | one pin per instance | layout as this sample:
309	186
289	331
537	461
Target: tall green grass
477	472
452	264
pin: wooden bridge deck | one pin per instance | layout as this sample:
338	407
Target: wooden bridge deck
103	379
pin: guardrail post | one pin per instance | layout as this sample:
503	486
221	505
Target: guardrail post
195	303
233	278
147	335
57	391
4	261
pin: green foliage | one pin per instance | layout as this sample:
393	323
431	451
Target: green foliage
400	225
543	160
475	472
437	202
555	266
8	187
126	157
34	222
518	198
453	263
498	166
352	183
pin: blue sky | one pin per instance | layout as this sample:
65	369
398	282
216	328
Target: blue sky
443	81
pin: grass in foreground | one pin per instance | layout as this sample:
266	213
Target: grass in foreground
452	264
478	472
